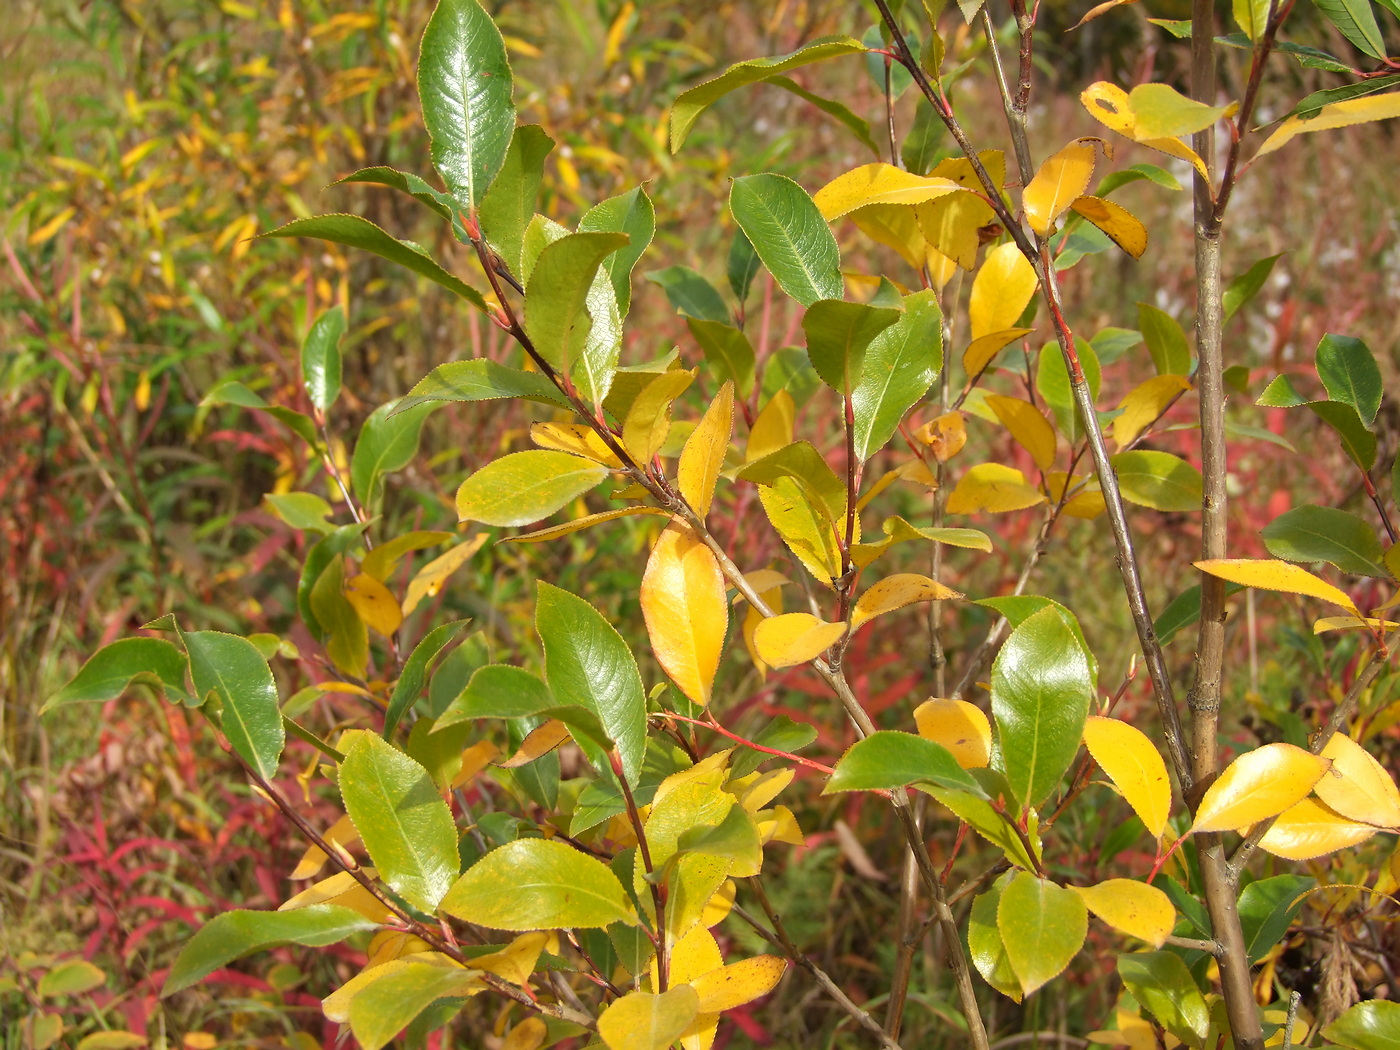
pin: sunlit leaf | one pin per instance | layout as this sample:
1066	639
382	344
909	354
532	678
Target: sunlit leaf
901	364
895	592
1163	985
1158	480
795	638
1310	829
233	670
838	334
111	670
1125	228
1135	766
649	419
388	1005
631	213
888	759
374	604
1272	575
1062	177
878	184
1042	927
1357	786
524	487
1142	405
320	358
1336	115
1135	908
1372	1025
960	727
1001	291
642	1021
738	983
789	234
703	455
1257	785
686	611
994	488
538	884
985	943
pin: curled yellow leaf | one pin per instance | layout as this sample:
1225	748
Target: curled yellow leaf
430	578
895	592
1310	829
1063	177
960	727
1135	908
703	454
982	352
686	610
516	961
578	438
541	740
1357	786
1258	785
1271	574
1335	115
1135	766
585	522
1122	226
794	638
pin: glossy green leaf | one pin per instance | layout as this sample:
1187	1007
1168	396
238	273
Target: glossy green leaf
1247	285
320	358
559	298
589	665
1267	907
1161	982
524	487
901	364
1053	385
838	334
1042	928
1280	393
344	633
1349	371
689	104
1310	533
1356	21
1158	480
480	380
415	672
387	1005
539	884
742	266
355	232
387	443
111	670
498	691
1017	608
857	126
1372	1025
1041	688
888	759
234	934
790	236
984	941
404	824
1357	441
508	207
1165	340
728	352
690	293
464	86
233	670
630	213
414	185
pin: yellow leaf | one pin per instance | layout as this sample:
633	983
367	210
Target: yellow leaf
960	727
895	592
765	789
772	429
1027	426
516	961
1352	623
336	1006
578	438
703	455
945	435
1135	908
1258	785
474	760
694	954
1063	177
995	488
1143	404
529	1034
952	224
342	833
1087	502
1111	106
878	184
773	598
1309	829
779	825
541	740
49	229
431	577
1335	115
686	610
374	604
1357	786
806	530
649	419
794	638
981	352
738	983
585	522
762	581
896	226
320	892
1135	766
361	900
1099	9
1125	228
642	1021
1001	291
1272	575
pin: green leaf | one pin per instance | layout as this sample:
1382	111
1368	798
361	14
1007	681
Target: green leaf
539	884
338	541
790	236
742	266
995	827
985	944
346	636
1373	1025
508	207
232	392
630	213
234	934
1177	27
686	110
1348	370
1052	383
1135	173
1280	393
320	358
1158	480
781	734
72	977
1042	927
690	293
355	232
415	672
788	368
304	511
728	351
232	668
1356	21
1166	341
735	838
1247	285
919	152
838	334
858	127
1017	608
805	465
643	1021
1310	105
1252	16
498	691
404	824
1161	982
464	86
386	1006
526	486
589	665
1267	907
454	673
888	759
415	186
110	671
900	365
480	380
1357	441
1041	688
387	443
1310	533
1184	610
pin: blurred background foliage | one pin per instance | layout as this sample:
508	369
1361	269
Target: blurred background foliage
145	144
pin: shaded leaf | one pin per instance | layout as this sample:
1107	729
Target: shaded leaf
1161	983
1042	928
1310	533
110	671
233	670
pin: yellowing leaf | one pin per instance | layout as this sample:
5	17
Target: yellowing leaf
585	522
1357	786
516	961
1258	785
895	592
430	578
1352	623
474	760
641	1021
1113	107
772	429
764	580
320	892
878	184
1143	404
1272	575
794	638
994	488
541	740
807	531
703	454
960	727
1030	429
1335	115
341	833
981	352
952	224
1086	500
649	419
1001	290
1135	908
686	610
1063	177
529	1034
738	983
945	435
374	604
578	438
896	226
1125	228
1134	765
1309	829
